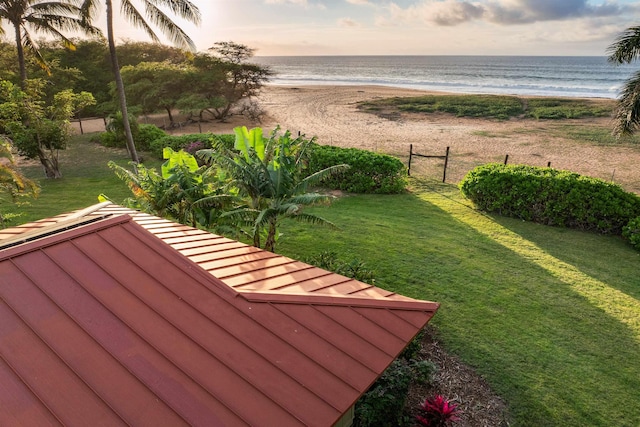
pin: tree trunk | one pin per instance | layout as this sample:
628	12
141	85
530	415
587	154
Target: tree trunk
270	243
120	85
21	60
50	165
170	116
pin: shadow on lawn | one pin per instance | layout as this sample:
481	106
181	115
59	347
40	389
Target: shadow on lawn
531	322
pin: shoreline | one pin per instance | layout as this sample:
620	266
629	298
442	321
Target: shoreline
427	91
424	91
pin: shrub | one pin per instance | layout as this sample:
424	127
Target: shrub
368	173
383	405
146	135
632	232
182	142
437	412
552	197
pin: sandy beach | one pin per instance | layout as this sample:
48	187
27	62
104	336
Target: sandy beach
330	114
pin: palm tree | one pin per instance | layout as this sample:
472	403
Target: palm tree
270	174
47	17
624	50
182	8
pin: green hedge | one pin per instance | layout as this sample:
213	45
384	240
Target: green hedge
143	137
632	232
190	143
552	197
369	172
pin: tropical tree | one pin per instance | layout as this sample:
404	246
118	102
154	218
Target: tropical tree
12	182
269	172
51	18
182	190
625	50
234	79
37	129
157	85
154	14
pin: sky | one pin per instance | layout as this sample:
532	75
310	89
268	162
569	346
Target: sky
411	27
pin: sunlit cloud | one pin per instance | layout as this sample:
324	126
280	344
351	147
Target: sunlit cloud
359	2
348	23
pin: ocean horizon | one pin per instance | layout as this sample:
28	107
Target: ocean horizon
561	76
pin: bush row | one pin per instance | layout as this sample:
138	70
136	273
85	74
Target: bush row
368	173
143	136
551	196
190	143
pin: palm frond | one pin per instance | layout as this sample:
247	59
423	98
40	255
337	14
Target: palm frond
29	44
313	219
89	9
175	34
317	177
132	14
627	113
626	48
183	8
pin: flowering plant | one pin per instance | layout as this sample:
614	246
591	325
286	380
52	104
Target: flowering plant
437	412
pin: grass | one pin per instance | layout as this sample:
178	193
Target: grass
500	107
85	175
549	316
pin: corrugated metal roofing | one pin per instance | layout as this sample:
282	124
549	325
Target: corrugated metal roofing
240	266
104	324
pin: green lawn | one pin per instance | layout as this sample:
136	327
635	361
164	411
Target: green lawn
550	317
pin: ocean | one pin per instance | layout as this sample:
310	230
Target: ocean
565	76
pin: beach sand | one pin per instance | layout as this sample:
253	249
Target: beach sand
330	114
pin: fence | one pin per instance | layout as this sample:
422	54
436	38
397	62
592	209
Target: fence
445	157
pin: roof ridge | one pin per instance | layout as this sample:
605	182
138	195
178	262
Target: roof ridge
336	300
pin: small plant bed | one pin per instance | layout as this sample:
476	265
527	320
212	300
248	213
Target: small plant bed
477	404
496	107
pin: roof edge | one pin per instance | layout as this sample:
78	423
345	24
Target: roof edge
338	300
89	210
61	232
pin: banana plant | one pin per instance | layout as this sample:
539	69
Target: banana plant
270	174
182	191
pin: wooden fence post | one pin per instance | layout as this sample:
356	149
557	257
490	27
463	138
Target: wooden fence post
80	123
410	155
446	161
506	159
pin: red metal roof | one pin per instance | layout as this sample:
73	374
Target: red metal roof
105	324
240	266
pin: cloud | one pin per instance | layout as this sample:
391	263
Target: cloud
529	11
299	2
360	2
505	12
348	22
